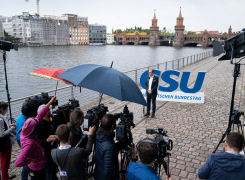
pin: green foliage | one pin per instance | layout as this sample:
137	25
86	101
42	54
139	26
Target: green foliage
225	33
118	31
8	37
190	32
165	33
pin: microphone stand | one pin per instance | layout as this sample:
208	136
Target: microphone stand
7	89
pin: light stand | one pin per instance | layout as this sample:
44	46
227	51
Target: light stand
7	89
235	75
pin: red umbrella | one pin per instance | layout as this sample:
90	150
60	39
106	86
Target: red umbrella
50	73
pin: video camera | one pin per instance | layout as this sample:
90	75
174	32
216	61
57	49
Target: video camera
62	114
163	145
93	116
237	114
127	121
7	45
30	106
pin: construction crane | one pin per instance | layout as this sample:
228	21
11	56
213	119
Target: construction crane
37	6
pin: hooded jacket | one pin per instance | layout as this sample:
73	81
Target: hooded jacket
222	166
31	147
106	158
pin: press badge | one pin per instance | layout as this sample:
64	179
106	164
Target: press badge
63	173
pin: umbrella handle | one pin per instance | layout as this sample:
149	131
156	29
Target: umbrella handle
56	88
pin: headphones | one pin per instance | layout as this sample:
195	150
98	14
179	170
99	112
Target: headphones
157	154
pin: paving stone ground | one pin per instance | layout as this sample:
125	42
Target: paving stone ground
194	128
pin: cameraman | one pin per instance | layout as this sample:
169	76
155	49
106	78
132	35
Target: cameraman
76	120
32	153
226	165
106	158
69	159
47	136
142	169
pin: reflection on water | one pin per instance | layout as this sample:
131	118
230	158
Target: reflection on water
21	63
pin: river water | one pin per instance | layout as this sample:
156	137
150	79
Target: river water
22	62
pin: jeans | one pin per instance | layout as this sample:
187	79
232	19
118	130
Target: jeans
151	97
37	175
24	173
50	169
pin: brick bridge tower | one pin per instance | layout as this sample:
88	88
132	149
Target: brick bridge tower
154	39
229	32
179	31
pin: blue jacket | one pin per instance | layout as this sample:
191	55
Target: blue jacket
222	166
154	85
19	123
139	171
106	156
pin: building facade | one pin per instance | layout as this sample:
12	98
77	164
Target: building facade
36	30
55	30
78	29
97	34
109	38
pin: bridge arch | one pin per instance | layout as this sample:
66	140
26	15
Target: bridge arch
144	43
130	43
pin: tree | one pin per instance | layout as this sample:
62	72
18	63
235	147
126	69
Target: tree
224	33
8	37
118	31
190	32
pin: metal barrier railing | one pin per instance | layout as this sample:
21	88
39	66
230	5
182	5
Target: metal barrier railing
85	95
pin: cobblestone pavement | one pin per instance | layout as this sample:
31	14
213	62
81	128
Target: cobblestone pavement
194	128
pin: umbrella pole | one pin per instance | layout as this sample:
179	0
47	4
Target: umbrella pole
100	98
56	88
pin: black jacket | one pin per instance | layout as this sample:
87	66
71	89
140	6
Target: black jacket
76	136
44	131
106	156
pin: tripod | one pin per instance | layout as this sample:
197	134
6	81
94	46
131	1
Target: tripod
7	89
234	121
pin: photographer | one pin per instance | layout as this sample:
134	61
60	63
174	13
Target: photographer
226	165
142	169
76	120
19	123
6	141
106	159
70	159
32	153
47	137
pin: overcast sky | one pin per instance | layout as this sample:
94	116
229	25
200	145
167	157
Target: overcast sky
198	14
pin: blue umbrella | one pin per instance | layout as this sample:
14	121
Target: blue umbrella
105	80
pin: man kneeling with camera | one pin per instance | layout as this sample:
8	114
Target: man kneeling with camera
69	159
142	169
226	165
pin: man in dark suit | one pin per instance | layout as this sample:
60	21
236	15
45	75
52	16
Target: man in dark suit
151	85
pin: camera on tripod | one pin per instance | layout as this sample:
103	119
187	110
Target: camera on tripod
236	115
163	145
127	121
93	116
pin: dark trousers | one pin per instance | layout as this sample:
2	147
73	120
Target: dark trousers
24	172
37	175
5	162
50	169
151	97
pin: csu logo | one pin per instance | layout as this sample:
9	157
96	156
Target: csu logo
173	84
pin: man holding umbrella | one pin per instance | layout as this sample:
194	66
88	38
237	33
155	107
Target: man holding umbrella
151	85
